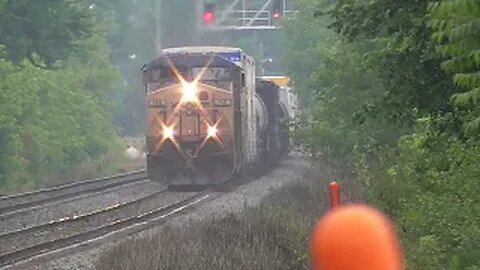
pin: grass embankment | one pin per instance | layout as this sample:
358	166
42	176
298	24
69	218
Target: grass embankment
114	161
274	235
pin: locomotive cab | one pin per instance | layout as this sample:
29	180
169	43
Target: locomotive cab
191	135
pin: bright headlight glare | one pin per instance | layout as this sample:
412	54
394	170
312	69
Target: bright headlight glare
168	132
212	131
189	92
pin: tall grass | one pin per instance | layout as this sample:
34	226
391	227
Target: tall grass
275	235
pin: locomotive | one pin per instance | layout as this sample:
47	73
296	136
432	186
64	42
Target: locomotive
209	118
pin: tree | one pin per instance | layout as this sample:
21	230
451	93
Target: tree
405	57
457	30
56	89
44	31
379	102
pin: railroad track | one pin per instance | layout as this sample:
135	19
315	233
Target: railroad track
37	240
10	205
74	233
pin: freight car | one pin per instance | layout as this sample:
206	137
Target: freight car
289	110
209	118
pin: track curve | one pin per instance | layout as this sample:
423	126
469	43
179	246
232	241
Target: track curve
79	230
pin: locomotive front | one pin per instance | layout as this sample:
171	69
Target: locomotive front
190	113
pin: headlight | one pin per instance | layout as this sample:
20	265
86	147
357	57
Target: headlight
222	102
189	92
212	131
168	132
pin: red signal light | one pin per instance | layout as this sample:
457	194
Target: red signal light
277	8
208	13
208	17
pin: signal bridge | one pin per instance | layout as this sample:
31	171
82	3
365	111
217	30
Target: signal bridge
242	15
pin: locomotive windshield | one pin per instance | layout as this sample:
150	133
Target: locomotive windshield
215	76
164	76
211	73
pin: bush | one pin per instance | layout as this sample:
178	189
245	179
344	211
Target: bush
48	124
429	184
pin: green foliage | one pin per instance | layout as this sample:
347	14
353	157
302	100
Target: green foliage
56	89
369	87
44	31
302	40
48	123
457	30
377	97
432	187
405	58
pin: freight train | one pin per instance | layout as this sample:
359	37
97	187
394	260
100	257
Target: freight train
209	118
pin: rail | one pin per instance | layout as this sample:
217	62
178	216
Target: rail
157	214
14	203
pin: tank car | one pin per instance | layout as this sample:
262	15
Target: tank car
208	117
288	102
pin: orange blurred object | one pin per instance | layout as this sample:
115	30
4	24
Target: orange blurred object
355	237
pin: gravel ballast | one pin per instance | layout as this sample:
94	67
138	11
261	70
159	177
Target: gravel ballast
77	207
248	195
66	229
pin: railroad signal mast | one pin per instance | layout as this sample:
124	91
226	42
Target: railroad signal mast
240	15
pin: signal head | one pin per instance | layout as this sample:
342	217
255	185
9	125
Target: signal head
208	13
208	17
